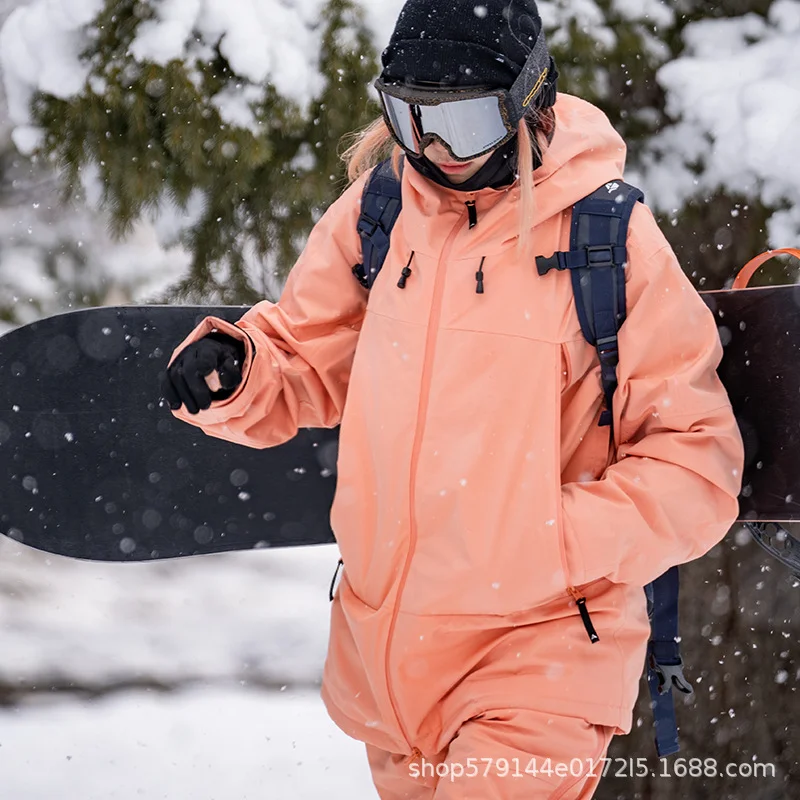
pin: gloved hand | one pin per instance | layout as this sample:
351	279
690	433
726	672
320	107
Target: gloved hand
184	381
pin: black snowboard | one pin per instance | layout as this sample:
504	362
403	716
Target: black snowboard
760	331
94	468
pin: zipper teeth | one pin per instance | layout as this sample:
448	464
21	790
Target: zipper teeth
562	548
422	409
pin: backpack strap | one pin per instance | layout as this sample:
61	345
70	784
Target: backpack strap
597	257
381	203
664	663
596	260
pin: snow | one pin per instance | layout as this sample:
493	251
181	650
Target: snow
263	41
235	105
243	634
656	12
736	93
380	16
84	259
201	744
163	39
170	222
55	256
40	47
260	617
27	138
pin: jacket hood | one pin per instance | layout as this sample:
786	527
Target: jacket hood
585	153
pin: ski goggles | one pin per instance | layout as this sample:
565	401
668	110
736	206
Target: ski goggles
469	121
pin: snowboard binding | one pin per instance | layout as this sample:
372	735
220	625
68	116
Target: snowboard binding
778	542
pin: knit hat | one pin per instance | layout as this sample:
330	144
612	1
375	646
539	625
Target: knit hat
465	43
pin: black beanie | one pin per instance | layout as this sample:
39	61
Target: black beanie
450	43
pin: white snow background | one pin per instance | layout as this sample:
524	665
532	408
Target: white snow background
736	90
243	634
239	628
214	744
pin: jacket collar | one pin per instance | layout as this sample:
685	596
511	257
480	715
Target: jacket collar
585	153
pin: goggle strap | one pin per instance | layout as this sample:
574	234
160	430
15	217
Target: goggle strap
531	80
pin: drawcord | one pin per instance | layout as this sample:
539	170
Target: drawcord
333	582
473	221
406	273
479	278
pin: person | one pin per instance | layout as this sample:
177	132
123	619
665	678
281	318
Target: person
478	499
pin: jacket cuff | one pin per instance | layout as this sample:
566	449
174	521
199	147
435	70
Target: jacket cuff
220	410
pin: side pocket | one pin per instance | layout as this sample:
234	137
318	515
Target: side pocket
566	368
590	447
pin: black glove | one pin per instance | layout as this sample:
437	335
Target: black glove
184	381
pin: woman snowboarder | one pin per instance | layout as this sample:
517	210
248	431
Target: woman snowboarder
481	511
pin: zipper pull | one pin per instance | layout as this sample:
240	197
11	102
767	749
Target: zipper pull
479	277
584	612
406	273
472	212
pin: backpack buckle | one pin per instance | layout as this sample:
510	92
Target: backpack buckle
600	255
670	675
545	263
607	346
367	226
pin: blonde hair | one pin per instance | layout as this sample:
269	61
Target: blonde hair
370	146
374	144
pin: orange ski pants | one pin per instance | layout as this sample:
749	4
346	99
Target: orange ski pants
502	755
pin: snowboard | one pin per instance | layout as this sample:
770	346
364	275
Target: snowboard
94	467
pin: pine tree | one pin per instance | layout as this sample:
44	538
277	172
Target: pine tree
249	194
610	54
155	133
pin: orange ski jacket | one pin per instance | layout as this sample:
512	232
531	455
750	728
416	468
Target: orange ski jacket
477	495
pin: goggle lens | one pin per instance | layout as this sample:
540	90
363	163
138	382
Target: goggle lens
468	127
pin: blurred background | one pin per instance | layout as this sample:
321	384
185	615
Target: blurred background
180	151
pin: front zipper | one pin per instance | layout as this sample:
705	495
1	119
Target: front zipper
472	213
422	410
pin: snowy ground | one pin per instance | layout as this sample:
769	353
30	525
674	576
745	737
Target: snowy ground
260	617
220	629
223	626
203	744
